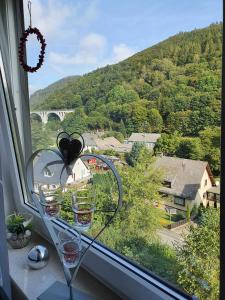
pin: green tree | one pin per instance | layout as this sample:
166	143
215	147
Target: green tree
155	120
167	144
188	213
198	257
194	211
53	125
122	128
41	137
178	121
190	148
121	94
210	139
74	101
133	157
75	122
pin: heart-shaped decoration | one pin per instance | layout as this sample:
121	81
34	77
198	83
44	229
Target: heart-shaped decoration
69	147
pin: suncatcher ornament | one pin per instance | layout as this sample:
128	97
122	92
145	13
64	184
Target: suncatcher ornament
23	40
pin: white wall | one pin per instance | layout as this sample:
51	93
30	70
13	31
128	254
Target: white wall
80	171
203	188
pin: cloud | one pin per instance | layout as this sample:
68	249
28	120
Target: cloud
90	48
118	53
87	15
93	41
121	52
50	17
60	19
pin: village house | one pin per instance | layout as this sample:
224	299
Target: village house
89	141
107	143
94	141
149	139
186	182
48	167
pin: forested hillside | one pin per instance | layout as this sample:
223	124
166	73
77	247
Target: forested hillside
41	95
173	87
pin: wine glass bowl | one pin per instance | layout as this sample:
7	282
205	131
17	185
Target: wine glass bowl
70	249
83	215
83	207
51	204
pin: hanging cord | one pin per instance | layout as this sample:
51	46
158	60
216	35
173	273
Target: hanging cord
29	9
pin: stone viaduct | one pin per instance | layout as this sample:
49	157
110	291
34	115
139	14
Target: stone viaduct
44	115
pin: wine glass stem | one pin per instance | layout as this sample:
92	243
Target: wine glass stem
71	292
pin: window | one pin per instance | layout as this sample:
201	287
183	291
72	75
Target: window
205	182
179	201
92	101
48	173
210	196
167	183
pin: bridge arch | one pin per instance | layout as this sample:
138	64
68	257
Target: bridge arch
53	116
36	117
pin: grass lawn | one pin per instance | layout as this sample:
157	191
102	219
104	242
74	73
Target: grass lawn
165	218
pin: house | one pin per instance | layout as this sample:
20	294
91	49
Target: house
111	143
186	181
92	161
89	141
95	141
213	196
149	139
123	148
107	143
48	168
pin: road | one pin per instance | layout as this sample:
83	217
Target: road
171	237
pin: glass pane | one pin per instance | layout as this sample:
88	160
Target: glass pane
141	81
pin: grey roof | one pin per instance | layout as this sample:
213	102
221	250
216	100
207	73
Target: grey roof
123	148
144	137
185	175
89	139
96	140
41	166
107	143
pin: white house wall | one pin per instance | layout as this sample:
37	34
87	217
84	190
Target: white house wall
80	171
204	187
90	148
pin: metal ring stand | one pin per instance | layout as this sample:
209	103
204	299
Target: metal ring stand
57	291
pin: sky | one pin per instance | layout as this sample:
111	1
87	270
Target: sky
83	35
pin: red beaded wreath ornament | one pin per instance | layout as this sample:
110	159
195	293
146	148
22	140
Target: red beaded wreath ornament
23	40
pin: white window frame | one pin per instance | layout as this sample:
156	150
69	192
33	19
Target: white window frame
117	272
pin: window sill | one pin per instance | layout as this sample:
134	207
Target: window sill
34	282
